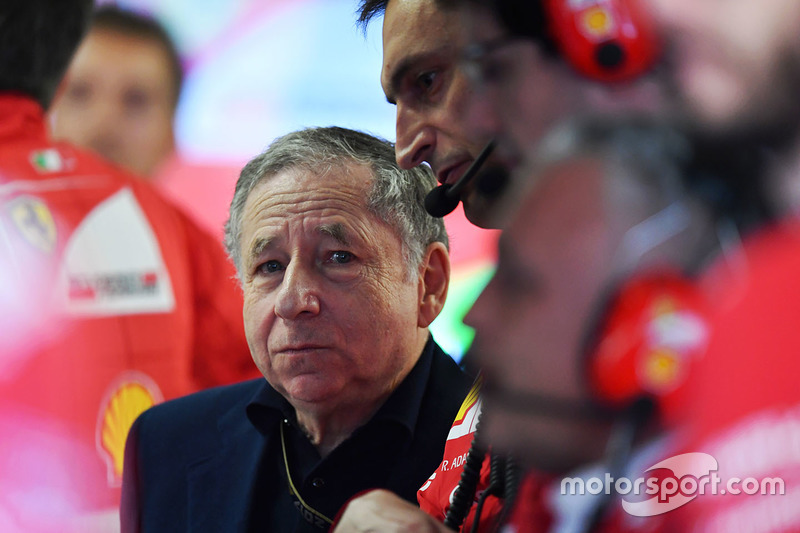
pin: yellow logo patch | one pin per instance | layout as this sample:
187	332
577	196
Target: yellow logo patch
129	398
34	221
597	22
662	369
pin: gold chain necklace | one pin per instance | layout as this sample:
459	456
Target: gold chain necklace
309	513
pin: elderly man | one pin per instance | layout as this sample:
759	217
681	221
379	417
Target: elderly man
342	272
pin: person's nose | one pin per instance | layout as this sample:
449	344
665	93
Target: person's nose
102	126
298	295
416	138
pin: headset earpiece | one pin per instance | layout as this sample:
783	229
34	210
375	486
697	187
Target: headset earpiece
605	40
649	337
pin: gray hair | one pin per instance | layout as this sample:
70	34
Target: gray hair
396	195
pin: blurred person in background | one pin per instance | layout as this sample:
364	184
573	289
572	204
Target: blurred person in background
119	99
592	323
737	68
121	91
112	299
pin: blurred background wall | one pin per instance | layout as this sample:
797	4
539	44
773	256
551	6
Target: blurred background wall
256	69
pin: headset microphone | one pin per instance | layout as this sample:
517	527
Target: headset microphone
444	199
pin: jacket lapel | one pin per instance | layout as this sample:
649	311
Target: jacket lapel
221	485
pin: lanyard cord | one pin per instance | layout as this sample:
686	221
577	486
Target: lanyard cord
292	489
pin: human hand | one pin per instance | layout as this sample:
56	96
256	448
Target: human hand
381	511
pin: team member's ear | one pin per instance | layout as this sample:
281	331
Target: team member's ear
434	279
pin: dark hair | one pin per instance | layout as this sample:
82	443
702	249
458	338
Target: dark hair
522	18
114	19
37	41
369	9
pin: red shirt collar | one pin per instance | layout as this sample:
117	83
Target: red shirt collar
20	116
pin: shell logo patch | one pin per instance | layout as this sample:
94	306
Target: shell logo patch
34	221
129	397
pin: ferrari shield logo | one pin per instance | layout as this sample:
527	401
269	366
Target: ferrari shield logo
34	221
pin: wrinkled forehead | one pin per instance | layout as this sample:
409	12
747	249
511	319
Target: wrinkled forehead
305	205
317	180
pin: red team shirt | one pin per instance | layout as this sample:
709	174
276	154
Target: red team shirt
746	393
111	300
436	494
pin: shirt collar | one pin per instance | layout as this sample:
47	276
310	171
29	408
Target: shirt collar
20	116
401	408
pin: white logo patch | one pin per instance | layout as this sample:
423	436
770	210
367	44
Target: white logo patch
112	264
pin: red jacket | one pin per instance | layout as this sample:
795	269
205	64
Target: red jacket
111	300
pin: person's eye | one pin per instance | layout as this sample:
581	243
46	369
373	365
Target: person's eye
341	257
79	93
427	84
269	267
136	100
426	79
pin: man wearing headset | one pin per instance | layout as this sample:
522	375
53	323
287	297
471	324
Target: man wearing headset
433	84
423	75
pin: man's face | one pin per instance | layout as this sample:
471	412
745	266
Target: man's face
422	75
331	316
736	64
555	260
117	100
520	93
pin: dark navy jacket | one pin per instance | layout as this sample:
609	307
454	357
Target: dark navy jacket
213	461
